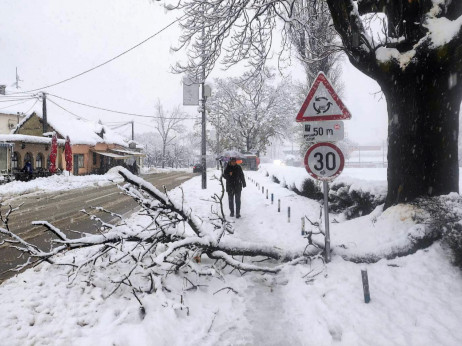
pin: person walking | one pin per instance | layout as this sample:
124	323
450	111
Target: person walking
235	181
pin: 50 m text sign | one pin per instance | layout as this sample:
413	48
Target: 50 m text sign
324	131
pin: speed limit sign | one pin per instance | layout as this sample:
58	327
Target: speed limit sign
324	161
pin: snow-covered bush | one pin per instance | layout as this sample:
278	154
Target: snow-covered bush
452	237
343	198
443	217
354	202
310	189
275	179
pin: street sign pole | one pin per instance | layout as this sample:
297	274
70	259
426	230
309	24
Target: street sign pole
323	111
326	220
325	161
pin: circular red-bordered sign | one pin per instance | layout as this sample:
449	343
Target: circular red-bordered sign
324	161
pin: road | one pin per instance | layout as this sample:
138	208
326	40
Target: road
62	209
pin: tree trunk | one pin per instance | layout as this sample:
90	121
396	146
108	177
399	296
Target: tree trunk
163	153
423	130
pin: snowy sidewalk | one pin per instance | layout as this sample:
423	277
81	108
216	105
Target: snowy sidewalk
415	300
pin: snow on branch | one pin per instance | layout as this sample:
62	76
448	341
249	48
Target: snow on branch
170	240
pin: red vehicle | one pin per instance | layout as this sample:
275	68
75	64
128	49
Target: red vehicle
250	162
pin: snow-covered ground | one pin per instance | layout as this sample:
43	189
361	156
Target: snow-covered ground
415	300
56	183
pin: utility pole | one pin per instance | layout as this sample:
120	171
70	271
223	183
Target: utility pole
203	99
44	111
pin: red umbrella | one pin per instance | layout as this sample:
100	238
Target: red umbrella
54	152
68	154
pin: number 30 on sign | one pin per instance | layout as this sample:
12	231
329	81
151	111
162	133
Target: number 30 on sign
324	161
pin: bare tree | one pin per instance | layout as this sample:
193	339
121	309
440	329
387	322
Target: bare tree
315	41
415	62
167	124
249	111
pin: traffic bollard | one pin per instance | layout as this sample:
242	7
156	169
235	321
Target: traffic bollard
288	214
303	226
266	193
279	205
367	295
272	198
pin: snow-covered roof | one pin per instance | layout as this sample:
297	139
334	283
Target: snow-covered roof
28	139
80	131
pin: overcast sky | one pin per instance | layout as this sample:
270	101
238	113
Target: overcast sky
51	40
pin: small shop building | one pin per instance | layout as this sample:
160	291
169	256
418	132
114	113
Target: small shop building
95	147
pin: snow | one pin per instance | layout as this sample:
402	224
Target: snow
80	130
415	300
443	30
28	139
56	183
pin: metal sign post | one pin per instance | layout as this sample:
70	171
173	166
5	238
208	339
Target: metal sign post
325	185
323	111
325	161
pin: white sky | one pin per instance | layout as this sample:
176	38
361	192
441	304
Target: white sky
51	40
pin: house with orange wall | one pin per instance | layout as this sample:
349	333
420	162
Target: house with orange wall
95	147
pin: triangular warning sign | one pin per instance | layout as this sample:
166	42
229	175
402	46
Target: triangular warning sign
322	103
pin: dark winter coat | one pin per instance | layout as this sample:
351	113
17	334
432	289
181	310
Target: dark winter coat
28	167
236	181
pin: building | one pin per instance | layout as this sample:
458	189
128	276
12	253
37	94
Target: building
17	149
95	147
8	122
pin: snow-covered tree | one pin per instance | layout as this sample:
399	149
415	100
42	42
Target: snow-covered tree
167	124
248	111
179	153
315	42
416	60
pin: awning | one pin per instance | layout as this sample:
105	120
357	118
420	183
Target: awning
129	152
113	155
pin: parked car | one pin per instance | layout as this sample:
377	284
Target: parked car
197	168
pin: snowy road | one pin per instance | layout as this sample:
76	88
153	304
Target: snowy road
63	210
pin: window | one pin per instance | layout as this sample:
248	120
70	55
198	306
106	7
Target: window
80	161
94	158
15	160
39	161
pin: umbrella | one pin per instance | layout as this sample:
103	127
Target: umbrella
54	152
68	154
227	154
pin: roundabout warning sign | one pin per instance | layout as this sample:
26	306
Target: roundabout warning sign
324	161
322	103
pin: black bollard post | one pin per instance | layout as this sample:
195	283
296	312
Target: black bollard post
272	198
367	295
266	193
279	205
303	225
288	214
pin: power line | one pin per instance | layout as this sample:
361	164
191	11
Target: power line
16	104
64	109
18	99
104	63
119	112
31	107
119	126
